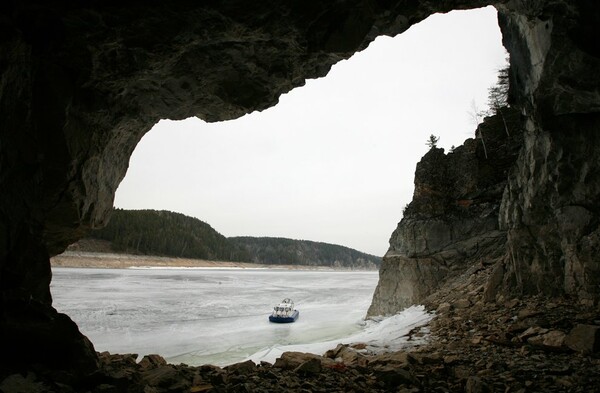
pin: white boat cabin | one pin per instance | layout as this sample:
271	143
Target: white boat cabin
284	309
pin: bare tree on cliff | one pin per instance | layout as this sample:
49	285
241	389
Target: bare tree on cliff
497	101
476	116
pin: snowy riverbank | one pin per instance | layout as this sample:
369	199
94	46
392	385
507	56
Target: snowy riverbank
376	336
101	260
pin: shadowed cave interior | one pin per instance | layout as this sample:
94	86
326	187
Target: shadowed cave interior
82	83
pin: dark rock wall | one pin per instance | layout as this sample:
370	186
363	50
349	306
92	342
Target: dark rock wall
551	205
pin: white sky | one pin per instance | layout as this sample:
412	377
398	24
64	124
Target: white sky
334	161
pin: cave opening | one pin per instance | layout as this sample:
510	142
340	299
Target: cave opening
82	82
340	153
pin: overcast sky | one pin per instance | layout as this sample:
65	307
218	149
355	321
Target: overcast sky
334	161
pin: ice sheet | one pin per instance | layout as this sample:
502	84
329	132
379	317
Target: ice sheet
384	334
210	316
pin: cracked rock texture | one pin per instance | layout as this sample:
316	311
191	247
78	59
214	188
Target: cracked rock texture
551	204
81	82
452	221
541	228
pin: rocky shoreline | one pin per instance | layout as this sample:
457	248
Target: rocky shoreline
100	260
522	345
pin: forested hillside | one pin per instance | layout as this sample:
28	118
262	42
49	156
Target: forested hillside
153	232
164	233
272	250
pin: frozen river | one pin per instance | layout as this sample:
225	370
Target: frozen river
215	316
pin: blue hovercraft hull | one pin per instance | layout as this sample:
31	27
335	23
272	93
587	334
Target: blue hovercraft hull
289	319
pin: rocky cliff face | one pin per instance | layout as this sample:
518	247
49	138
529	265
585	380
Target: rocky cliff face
550	207
452	221
80	84
541	224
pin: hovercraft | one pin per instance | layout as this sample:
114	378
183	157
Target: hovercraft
284	312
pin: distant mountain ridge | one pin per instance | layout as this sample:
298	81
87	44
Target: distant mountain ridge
165	233
270	250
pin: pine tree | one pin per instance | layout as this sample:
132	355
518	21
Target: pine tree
432	141
498	95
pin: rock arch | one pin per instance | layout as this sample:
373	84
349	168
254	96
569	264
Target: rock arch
81	84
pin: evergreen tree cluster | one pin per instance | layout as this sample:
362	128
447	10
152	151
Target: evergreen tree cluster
164	233
274	250
151	232
498	93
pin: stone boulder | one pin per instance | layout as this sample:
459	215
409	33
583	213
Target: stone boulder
242	368
293	360
310	366
152	361
348	355
552	339
584	338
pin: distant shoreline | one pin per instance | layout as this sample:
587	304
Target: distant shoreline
100	260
